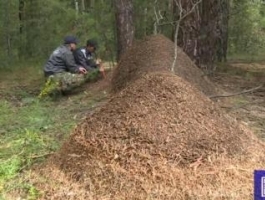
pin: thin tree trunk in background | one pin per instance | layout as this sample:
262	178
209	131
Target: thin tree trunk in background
225	20
124	25
76	9
8	36
145	21
31	28
20	15
83	6
223	31
90	3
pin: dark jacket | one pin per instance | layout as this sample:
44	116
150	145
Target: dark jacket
85	58
61	60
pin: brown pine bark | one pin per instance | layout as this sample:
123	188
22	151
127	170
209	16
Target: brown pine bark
203	34
189	28
124	25
208	33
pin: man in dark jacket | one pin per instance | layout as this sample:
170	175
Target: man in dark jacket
62	59
61	71
85	56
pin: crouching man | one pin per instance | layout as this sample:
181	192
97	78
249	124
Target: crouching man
61	71
85	56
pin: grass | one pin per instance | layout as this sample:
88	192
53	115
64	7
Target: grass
31	128
258	56
248	71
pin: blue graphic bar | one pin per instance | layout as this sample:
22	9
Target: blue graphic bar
259	185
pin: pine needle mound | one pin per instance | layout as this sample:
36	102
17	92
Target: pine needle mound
159	138
156	53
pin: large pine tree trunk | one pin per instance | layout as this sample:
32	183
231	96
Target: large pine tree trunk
204	32
208	33
124	25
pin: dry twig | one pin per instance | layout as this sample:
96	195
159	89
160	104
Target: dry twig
237	93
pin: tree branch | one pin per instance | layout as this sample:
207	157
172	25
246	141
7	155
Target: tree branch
181	17
158	17
39	156
178	3
238	93
232	108
191	10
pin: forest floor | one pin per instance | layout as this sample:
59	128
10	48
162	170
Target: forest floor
236	78
31	129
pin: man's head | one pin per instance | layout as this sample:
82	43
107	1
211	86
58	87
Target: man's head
71	41
91	45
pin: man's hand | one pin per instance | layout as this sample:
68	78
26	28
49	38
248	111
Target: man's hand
101	68
82	70
98	61
102	71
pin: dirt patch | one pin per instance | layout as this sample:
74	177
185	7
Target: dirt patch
156	53
159	138
102	84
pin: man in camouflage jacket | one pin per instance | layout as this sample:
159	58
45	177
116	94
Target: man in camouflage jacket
61	71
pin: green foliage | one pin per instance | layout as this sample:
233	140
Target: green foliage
44	24
145	17
8	32
33	193
19	151
103	29
49	88
246	27
31	128
23	140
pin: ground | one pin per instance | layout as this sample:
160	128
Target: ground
32	129
249	107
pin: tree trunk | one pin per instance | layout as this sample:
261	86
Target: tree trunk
20	15
31	28
76	9
210	33
124	25
189	27
83	6
203	34
8	34
223	31
91	3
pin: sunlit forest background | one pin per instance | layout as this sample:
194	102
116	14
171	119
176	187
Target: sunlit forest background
31	29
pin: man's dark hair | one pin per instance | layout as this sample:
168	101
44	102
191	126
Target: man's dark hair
92	43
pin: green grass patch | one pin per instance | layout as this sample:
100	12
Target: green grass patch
247	57
27	133
32	128
246	71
